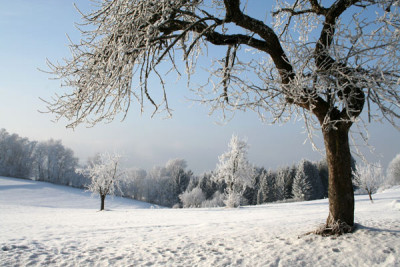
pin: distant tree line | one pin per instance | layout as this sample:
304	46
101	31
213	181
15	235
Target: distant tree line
173	185
48	161
234	182
237	182
305	181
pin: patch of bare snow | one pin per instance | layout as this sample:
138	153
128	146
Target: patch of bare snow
43	224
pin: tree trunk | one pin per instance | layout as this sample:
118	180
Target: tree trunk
103	198
341	194
370	195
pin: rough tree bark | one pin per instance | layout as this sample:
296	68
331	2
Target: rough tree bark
341	197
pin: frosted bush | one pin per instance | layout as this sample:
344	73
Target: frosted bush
216	201
192	199
176	206
234	199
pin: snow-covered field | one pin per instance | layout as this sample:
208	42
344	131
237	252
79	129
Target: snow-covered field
47	225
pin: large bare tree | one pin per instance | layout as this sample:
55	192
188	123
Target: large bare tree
325	60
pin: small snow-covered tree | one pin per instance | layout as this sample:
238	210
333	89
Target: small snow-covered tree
393	171
105	174
369	177
235	170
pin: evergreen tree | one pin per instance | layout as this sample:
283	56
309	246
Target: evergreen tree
266	192
324	175
307	184
209	186
283	183
251	193
301	186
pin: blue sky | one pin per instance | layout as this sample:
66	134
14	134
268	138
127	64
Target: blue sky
32	31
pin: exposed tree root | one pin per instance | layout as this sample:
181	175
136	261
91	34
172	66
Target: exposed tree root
334	229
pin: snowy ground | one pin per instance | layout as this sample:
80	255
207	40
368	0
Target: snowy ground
43	224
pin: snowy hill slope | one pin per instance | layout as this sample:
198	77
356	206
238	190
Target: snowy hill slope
42	194
43	224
